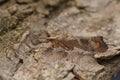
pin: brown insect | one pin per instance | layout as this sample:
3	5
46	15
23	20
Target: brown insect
95	43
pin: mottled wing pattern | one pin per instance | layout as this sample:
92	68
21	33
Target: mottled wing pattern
95	43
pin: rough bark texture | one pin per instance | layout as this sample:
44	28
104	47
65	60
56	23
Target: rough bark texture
23	56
